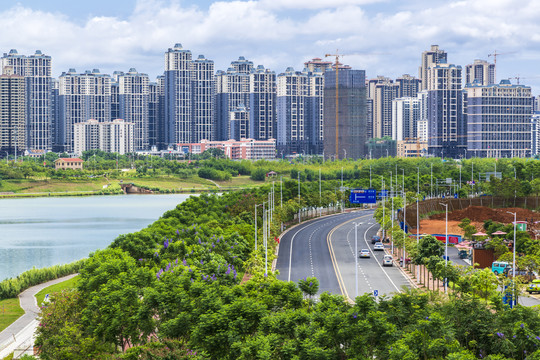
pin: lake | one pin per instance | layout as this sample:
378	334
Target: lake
47	231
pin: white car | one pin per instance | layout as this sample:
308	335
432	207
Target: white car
387	260
378	246
364	253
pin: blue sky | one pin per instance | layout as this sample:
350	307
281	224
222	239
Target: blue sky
384	37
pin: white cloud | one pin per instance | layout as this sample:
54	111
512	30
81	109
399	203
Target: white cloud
382	37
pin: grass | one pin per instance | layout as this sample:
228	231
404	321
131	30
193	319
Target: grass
10	310
68	284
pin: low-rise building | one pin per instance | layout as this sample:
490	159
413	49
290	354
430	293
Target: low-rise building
245	149
411	148
68	163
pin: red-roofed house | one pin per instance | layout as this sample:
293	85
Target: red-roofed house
68	163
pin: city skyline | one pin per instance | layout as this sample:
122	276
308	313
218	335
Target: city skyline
384	38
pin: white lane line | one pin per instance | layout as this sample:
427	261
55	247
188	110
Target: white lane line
382	268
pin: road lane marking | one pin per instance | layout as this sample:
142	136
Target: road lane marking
334	260
382	268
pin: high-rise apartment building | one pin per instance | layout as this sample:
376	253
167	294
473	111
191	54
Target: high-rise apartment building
232	90
446	124
382	90
318	65
499	120
36	70
299	112
202	99
262	99
535	134
348	113
405	117
112	136
82	97
156	114
409	86
133	95
239	119
178	95
430	58
12	112
481	71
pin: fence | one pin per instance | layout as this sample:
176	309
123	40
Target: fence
434	205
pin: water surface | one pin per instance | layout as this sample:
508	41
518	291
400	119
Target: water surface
47	231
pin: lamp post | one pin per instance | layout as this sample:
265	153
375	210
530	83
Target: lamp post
514	261
445	246
370	176
299	197
382	194
345	151
431	188
356	256
320	194
417	220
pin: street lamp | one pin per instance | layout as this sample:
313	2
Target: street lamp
445	247
356	256
417	219
514	260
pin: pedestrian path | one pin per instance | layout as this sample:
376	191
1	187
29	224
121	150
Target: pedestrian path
20	334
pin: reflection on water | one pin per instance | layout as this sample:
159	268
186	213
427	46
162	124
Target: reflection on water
47	231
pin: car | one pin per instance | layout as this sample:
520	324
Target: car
375	239
524	275
379	246
498	267
388	260
534	286
364	253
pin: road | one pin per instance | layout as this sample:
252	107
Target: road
372	276
20	334
322	249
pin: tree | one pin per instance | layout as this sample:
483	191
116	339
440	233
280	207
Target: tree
309	286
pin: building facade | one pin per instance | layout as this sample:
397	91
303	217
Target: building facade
345	114
405	117
480	71
430	58
383	91
133	95
82	97
299	112
262	99
447	127
246	149
178	94
36	69
115	136
12	112
202	99
499	120
535	134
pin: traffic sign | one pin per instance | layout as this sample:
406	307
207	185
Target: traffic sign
363	196
375	292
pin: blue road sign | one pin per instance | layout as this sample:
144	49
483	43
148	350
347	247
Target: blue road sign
375	292
455	196
363	196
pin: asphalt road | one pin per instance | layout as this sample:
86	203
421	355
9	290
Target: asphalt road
305	251
372	276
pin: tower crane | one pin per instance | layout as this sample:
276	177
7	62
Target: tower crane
337	55
495	54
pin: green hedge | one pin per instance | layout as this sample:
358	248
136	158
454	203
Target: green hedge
12	287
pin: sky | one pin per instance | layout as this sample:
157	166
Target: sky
383	37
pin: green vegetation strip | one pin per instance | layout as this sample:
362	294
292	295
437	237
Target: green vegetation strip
10	311
56	288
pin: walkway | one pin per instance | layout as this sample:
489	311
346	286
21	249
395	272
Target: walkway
20	334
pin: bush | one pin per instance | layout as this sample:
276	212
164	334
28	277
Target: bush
12	287
258	174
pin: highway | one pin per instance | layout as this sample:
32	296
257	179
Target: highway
324	248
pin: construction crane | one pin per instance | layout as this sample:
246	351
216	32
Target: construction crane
336	65
495	54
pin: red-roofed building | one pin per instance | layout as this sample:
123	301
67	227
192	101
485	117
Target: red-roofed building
68	163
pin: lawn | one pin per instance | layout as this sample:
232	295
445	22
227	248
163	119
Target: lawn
52	185
10	311
68	284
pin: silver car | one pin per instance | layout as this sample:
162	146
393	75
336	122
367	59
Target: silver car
388	260
378	246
